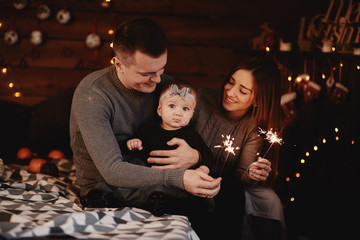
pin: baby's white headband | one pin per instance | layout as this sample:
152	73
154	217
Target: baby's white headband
174	90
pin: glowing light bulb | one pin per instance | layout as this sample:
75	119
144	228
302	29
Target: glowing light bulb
111	32
307	154
292	199
11	85
17	94
324	140
111	45
112	61
323	76
337	138
4	70
352	142
289	78
287	179
333	49
358	67
297	175
0	24
336	129
302	161
315	148
267	49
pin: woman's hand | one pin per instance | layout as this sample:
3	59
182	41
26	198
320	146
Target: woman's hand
259	170
183	157
200	184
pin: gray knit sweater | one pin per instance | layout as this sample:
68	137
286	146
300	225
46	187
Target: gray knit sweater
104	115
211	123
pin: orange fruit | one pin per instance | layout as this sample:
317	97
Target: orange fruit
56	154
35	164
24	153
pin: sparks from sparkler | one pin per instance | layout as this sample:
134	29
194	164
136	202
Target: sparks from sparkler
271	136
227	144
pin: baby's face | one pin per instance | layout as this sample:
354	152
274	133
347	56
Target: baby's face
175	111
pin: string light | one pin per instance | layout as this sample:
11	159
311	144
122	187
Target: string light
267	49
17	94
323	76
297	174
11	85
111	32
4	70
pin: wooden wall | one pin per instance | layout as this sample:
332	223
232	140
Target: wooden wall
205	38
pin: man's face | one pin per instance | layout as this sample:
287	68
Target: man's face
142	72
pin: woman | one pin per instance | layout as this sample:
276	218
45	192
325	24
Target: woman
249	99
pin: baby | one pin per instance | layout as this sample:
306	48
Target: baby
176	108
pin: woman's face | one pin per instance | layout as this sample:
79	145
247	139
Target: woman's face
238	94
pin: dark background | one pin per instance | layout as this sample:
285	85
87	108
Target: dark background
205	39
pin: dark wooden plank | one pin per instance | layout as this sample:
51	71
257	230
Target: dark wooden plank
179	30
75	55
225	8
24	100
41	81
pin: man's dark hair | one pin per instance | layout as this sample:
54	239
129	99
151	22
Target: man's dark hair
139	34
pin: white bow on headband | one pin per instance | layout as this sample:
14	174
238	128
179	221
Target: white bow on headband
174	90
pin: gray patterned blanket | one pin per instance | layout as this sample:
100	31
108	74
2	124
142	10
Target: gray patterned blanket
46	207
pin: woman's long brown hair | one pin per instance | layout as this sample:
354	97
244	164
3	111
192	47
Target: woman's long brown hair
266	111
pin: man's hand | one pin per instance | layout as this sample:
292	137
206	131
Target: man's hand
200	184
183	157
260	170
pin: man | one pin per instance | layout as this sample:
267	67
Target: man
110	104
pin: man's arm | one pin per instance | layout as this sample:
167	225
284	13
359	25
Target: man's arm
183	157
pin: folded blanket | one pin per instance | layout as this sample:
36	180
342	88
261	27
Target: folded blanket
39	205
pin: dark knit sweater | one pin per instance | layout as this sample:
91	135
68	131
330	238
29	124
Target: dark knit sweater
211	123
104	114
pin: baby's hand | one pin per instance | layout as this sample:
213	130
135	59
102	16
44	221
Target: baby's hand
134	144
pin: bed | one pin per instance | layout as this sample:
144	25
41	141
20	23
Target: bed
41	206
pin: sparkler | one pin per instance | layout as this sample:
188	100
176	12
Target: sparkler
272	137
228	146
